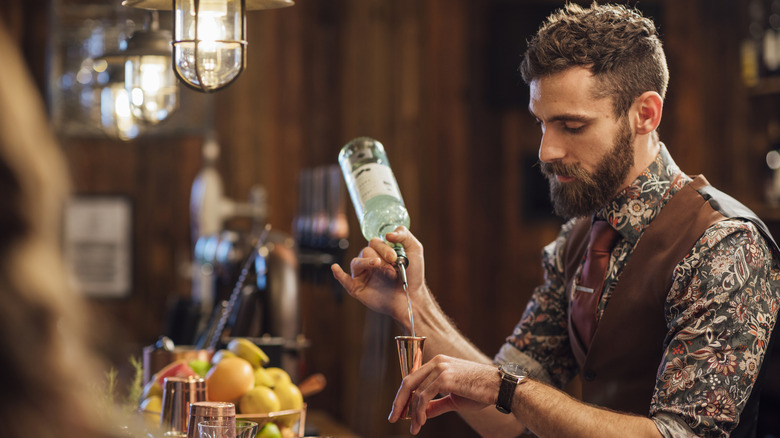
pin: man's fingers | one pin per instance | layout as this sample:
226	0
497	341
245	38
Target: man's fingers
382	249
399	403
360	266
342	277
440	406
405	392
403	236
368	252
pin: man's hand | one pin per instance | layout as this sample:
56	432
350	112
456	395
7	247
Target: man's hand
469	386
374	280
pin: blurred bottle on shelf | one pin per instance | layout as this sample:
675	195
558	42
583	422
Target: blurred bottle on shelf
771	39
320	226
751	46
772	190
760	49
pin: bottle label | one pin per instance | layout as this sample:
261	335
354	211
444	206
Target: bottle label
373	180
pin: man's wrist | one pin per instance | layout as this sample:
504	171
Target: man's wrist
512	375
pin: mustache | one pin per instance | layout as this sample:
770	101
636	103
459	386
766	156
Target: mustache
559	168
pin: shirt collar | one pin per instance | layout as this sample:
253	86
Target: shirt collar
632	210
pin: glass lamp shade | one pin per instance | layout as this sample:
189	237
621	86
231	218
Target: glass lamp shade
149	79
209	48
116	118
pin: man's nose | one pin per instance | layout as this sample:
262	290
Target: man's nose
550	150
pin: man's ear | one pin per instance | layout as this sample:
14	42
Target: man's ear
649	108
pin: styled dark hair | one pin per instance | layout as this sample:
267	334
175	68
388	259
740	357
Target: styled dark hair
619	46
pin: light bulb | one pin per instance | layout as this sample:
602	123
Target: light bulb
151	70
215	55
154	94
209	46
115	114
149	79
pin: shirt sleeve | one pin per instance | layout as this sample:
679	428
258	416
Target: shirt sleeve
721	311
542	333
672	426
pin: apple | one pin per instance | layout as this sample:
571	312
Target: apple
177	368
201	367
269	430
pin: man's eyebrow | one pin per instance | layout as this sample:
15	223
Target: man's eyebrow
565	117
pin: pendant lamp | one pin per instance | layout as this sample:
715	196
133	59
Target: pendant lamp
209	38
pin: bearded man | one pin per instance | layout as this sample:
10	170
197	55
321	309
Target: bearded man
660	292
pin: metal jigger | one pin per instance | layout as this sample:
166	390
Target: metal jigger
410	356
178	394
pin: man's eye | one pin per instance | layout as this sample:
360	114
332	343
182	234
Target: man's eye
573	129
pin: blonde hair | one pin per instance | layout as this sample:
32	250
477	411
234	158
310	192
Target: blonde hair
49	372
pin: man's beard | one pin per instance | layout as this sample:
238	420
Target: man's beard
588	193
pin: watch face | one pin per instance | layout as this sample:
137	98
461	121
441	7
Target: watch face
513	369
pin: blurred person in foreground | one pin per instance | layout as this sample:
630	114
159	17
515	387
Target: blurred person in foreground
47	367
669	338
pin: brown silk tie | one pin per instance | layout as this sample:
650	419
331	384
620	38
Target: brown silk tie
586	296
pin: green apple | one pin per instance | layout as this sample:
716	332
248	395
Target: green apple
269	430
200	366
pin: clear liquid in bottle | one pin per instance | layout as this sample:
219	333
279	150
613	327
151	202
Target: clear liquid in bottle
372	187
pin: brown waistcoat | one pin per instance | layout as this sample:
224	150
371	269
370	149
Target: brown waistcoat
619	369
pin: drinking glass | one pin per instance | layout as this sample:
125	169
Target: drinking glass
246	429
218	429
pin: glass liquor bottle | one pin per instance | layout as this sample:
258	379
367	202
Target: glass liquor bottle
380	210
374	192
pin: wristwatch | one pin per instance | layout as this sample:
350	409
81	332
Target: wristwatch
512	375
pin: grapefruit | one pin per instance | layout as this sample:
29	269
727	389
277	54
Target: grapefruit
229	379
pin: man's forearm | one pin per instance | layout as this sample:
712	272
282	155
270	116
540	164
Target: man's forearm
545	410
442	337
549	412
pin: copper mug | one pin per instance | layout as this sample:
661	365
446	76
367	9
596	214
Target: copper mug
178	394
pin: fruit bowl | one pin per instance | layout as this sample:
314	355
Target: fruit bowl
294	418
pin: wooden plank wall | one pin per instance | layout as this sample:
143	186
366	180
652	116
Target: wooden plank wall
416	75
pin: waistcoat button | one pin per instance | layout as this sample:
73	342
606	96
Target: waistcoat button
589	375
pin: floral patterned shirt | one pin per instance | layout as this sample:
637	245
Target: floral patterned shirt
720	311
